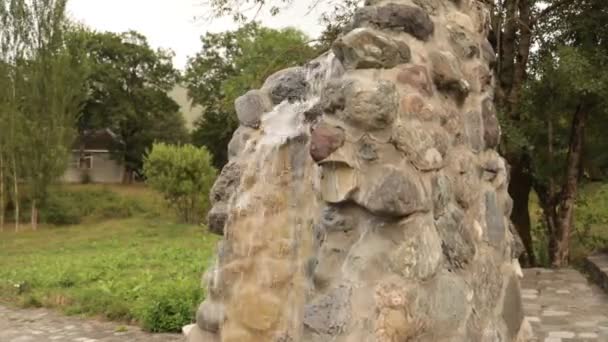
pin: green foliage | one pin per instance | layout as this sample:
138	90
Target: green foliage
589	234
40	96
228	65
135	270
128	92
184	175
68	207
169	307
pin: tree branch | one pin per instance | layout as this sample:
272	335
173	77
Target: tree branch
556	5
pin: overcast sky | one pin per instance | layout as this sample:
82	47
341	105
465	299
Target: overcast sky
171	23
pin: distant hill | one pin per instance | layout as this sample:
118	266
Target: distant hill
180	95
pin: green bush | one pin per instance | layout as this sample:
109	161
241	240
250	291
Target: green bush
65	207
170	308
183	175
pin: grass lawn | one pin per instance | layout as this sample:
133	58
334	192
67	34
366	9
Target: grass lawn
145	269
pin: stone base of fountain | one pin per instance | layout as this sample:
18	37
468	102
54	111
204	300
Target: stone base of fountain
364	199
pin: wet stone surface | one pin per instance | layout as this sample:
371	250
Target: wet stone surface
562	306
37	325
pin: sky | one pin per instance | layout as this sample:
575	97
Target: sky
173	24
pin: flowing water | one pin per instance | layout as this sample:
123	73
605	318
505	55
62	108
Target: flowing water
270	230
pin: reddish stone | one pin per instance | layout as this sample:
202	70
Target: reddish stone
413	105
417	77
325	140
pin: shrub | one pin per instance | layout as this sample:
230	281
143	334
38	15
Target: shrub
184	175
69	207
61	209
170	308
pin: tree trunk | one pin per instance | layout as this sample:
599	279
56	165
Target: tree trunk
34	215
522	55
520	186
506	56
567	199
2	204
16	193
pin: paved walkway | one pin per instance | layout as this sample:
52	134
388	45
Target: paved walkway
40	325
562	306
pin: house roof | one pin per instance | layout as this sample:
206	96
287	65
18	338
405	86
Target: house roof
100	139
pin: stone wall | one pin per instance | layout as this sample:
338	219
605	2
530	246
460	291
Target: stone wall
364	199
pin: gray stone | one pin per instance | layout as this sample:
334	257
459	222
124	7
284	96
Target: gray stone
419	255
370	105
442	194
251	106
332	219
450	307
417	141
392	192
217	217
457	243
325	139
463	44
512	310
495	220
491	126
368	150
332	97
226	183
210	316
364	48
329	314
239	140
397	17
287	85
473	124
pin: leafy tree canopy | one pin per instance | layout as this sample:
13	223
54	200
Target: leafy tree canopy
127	89
228	65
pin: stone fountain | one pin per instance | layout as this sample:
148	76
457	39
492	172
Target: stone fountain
364	199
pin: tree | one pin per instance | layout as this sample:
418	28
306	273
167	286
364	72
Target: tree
43	97
229	64
184	175
128	92
569	69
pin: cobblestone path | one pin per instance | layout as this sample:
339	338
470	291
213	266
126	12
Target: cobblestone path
40	325
562	306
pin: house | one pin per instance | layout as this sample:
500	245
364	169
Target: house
92	160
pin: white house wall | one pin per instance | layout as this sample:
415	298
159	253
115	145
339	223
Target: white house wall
104	169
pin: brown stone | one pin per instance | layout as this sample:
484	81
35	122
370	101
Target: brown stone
417	77
258	309
325	139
